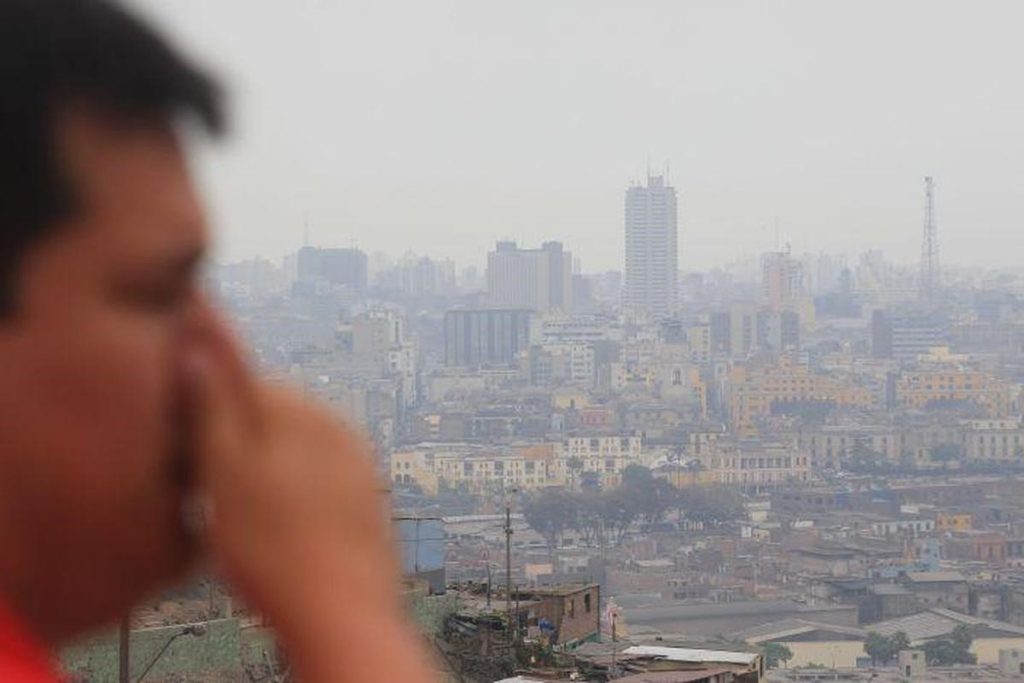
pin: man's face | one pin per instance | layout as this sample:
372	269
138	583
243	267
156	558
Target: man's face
90	374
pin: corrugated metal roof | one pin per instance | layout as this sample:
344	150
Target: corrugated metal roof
666	610
938	622
681	654
935	576
778	630
671	676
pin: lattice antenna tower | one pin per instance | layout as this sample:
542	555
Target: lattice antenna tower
929	245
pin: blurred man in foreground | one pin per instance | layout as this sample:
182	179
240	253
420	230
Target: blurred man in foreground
121	394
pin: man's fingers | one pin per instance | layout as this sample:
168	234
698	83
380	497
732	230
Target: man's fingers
218	415
220	344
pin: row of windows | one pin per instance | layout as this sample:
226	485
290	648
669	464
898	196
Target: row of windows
497	467
903	526
769	463
950	379
762	477
624	442
992	439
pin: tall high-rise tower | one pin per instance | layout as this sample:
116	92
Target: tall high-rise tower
929	283
652	258
782	278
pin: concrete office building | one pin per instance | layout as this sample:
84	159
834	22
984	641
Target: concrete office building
485	337
534	279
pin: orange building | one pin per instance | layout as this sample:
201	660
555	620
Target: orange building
918	388
954	521
754	390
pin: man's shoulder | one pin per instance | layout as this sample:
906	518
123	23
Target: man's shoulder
23	659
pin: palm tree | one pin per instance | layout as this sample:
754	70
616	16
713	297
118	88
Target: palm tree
675	457
693	467
575	465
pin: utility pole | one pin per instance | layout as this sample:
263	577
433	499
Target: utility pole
614	638
508	566
124	660
488	585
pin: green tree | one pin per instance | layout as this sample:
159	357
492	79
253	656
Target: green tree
775	654
866	461
660	499
711	504
618	510
636	476
899	641
907	459
962	637
590	482
575	464
550	513
946	453
879	648
648	497
456	500
883	649
694	468
952	649
589	522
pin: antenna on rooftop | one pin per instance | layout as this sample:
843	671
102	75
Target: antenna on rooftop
929	277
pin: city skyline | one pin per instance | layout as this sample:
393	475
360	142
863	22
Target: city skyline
637	222
441	134
749	263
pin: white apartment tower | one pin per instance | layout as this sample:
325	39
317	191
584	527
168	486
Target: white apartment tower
652	256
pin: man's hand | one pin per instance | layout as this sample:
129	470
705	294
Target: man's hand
299	522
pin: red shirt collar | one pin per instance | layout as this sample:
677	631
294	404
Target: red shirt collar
23	658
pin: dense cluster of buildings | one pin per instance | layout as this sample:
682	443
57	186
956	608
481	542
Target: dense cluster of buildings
872	431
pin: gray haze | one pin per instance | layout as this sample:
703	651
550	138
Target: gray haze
439	127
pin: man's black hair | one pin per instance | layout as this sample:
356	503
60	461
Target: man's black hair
55	54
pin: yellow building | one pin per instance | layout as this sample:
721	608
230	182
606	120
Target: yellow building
954	521
702	441
607	456
683	477
830	444
918	388
565	398
699	391
475	468
757	464
835	646
753	390
990	635
832	654
810	642
524	468
699	337
993	439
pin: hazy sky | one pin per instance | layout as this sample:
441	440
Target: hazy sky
441	126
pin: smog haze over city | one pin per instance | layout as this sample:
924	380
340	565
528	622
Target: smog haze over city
688	336
440	127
